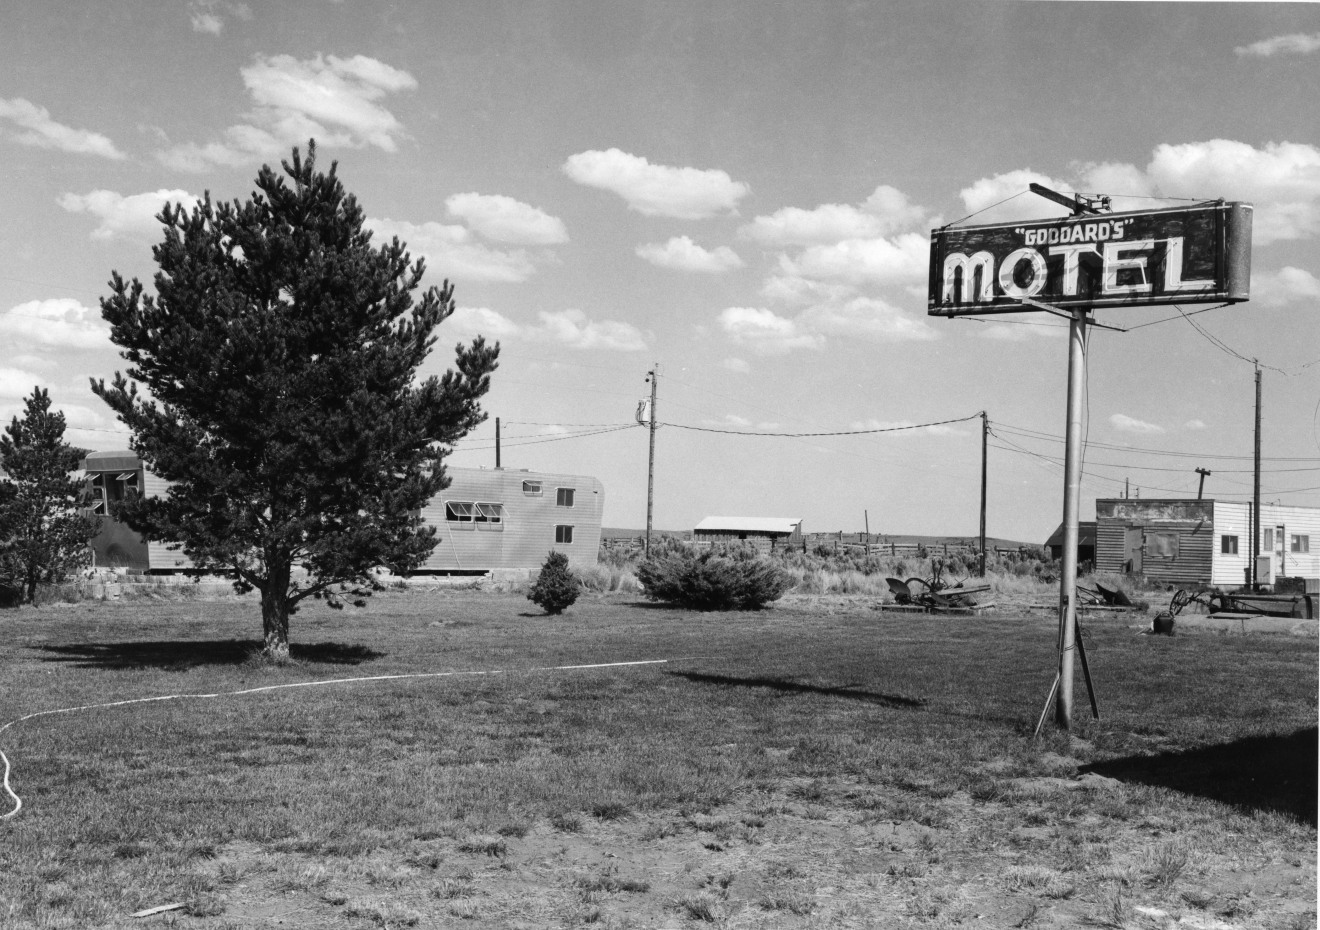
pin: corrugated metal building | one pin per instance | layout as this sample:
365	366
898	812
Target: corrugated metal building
765	533
486	519
1205	541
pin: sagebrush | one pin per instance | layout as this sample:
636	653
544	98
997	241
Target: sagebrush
713	579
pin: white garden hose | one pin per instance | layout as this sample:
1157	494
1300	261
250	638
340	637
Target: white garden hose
18	802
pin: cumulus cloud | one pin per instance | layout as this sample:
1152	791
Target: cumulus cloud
1195	425
1298	43
569	328
765	332
863	261
452	252
503	219
334	100
17	383
885	212
1288	284
573	329
60	321
1281	179
208	16
34	126
736	365
866	318
680	253
120	216
657	190
1127	424
479	321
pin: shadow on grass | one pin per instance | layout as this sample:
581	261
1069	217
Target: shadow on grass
180	654
797	687
1256	773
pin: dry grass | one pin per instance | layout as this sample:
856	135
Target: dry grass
788	768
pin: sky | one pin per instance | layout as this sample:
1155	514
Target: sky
741	193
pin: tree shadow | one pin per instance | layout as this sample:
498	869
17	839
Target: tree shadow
181	655
796	687
1256	773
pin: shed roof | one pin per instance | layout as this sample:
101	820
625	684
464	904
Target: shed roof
1085	534
786	525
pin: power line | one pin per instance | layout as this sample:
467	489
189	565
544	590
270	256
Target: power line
854	432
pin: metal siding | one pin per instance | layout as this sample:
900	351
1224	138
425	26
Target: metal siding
159	556
1109	554
1231	519
529	522
1191	520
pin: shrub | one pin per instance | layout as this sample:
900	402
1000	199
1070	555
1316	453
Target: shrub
715	579
556	587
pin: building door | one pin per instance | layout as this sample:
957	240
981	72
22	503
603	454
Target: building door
1134	541
1277	567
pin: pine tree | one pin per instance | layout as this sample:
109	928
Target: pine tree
44	526
280	357
556	587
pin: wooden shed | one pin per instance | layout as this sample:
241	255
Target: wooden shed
486	520
765	533
1085	542
1205	541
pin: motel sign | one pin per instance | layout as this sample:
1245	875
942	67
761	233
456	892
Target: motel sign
1198	254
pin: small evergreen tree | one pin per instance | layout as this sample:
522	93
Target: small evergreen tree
280	355
556	586
44	527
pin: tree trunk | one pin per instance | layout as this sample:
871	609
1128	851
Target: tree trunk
275	613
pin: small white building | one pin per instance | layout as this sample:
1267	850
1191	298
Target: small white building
764	533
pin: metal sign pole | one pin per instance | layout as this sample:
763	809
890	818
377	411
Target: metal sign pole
1072	493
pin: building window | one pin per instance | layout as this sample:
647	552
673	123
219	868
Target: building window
1228	545
532	489
1267	539
564	497
564	534
108	488
488	516
461	513
1301	544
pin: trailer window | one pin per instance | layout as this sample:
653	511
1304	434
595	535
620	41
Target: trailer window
532	488
1301	544
100	506
1228	545
564	534
564	497
461	513
489	516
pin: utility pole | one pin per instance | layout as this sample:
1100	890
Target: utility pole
497	442
1203	472
1255	494
1072	492
653	376
985	433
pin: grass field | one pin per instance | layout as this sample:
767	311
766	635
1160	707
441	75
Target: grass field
797	767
